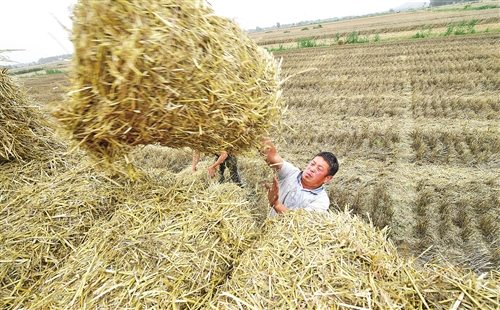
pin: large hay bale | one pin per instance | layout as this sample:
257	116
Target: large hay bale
166	72
336	261
25	132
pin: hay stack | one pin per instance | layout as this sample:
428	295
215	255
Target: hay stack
48	209
327	261
25	132
168	253
167	72
125	242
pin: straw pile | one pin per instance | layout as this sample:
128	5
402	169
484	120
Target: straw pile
327	261
25	132
85	241
47	211
74	238
166	72
155	255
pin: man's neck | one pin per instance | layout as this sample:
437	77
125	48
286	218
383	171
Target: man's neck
309	187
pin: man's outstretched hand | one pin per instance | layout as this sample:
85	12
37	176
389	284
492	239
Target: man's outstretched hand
273	192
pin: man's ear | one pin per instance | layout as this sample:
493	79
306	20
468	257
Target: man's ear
327	179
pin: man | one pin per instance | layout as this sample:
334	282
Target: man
223	161
295	189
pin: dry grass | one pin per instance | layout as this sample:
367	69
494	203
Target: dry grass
167	251
25	132
48	240
337	261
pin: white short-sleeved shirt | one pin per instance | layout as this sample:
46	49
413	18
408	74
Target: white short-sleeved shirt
294	196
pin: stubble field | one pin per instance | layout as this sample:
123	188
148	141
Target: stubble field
400	25
416	127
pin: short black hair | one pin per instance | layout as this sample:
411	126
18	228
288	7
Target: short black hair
331	160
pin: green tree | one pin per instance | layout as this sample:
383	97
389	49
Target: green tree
434	3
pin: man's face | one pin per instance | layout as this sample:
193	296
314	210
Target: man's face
315	173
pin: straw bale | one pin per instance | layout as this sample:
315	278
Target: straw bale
25	132
47	211
336	261
166	72
168	253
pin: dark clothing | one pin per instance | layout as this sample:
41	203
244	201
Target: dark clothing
230	163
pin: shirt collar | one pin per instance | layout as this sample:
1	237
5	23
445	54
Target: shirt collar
313	191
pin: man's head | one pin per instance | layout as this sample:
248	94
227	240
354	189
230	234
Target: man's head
332	162
320	170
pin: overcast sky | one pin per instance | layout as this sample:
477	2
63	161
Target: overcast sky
34	25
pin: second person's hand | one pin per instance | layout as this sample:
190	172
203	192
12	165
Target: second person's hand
211	172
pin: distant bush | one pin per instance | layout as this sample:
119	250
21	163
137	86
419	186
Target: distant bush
486	7
470	26
468	7
354	37
306	42
272	49
26	71
53	71
461	28
305	28
449	30
422	34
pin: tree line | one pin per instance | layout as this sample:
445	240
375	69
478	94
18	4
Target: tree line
445	2
40	61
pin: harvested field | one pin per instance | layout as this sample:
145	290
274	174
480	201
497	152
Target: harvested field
415	206
388	26
401	114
